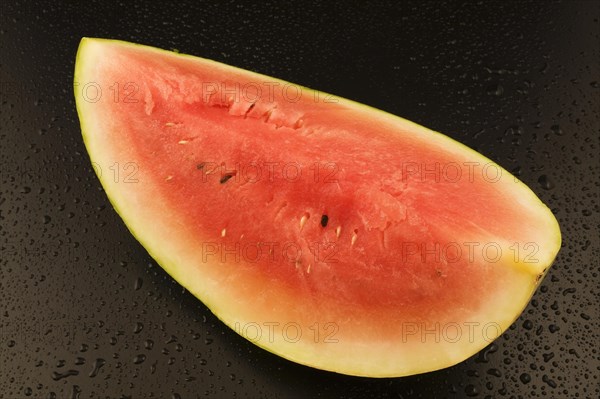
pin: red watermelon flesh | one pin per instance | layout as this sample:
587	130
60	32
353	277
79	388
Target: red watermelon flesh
327	232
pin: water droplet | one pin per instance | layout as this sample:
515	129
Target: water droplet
484	355
470	390
545	182
76	391
525	378
149	344
138	328
97	364
171	339
556	130
139	359
59	376
494	372
574	352
495	89
138	284
549	381
585	316
548	356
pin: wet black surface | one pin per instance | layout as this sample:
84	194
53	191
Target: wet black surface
85	312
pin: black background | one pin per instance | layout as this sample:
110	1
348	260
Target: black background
519	82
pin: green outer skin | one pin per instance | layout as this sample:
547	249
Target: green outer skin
172	268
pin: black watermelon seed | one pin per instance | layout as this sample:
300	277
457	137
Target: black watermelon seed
324	220
226	177
200	165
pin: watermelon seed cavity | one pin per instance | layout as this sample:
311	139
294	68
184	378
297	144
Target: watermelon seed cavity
298	123
354	237
267	114
226	177
303	220
249	109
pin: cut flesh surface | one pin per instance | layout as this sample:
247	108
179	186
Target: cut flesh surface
325	231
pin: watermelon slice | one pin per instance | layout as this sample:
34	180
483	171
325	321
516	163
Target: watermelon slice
332	234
